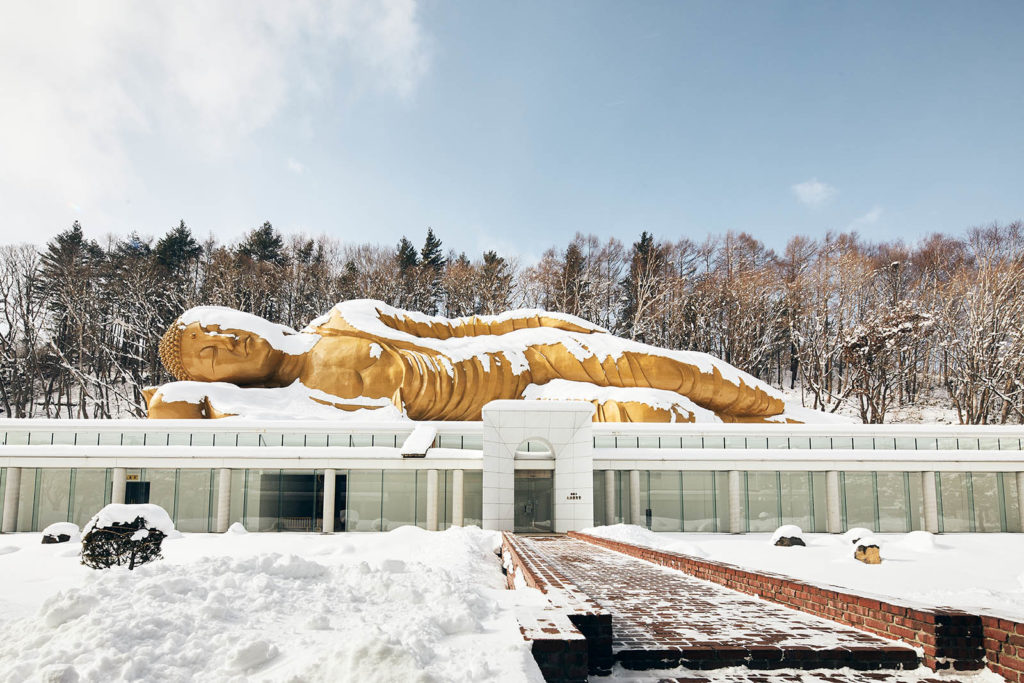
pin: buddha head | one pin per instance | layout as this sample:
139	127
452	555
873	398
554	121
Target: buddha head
213	344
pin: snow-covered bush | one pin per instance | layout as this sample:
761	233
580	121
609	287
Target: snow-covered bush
856	533
125	535
788	535
62	532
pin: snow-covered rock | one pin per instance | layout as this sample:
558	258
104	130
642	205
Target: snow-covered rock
62	532
919	541
788	535
856	533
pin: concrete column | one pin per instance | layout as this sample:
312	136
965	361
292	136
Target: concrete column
609	497
12	497
431	500
931	502
634	499
1020	498
834	514
736	525
457	488
223	499
120	481
330	483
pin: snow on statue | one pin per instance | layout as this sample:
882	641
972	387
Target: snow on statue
367	355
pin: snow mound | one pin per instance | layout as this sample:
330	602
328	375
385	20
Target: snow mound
420	440
8	549
919	541
866	541
69	529
637	535
856	534
119	513
409	606
237	528
566	390
787	531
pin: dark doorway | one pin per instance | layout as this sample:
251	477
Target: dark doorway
136	492
534	501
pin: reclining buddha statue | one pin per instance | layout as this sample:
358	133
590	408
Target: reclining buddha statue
366	355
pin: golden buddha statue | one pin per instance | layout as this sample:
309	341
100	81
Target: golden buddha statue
367	355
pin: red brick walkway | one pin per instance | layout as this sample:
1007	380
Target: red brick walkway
663	618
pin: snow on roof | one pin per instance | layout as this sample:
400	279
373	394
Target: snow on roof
281	337
296	400
564	390
120	513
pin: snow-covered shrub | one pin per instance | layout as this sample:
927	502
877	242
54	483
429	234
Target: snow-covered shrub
125	535
788	535
62	532
857	533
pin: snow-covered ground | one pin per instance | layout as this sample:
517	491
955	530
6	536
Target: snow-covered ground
966	571
407	605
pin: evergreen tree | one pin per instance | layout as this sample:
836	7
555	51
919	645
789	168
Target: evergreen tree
431	255
574	285
264	245
177	249
643	287
406	257
495	284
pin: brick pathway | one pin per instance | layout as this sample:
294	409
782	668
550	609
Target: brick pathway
662	618
818	676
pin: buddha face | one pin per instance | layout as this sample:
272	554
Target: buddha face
212	354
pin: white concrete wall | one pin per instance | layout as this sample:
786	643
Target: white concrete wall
566	427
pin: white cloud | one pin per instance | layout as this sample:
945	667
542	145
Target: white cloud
296	167
870	218
85	86
813	192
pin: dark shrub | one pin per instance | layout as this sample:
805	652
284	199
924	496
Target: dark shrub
121	544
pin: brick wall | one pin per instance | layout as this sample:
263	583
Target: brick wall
948	638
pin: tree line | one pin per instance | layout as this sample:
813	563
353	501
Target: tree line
850	324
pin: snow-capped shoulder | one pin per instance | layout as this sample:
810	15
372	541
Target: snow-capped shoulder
281	337
566	390
120	513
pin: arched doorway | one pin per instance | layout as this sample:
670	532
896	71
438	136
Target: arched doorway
534	487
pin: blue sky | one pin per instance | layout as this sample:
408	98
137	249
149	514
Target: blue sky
511	125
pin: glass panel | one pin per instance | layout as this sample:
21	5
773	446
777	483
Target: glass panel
133	438
298	501
237	511
225	439
842	443
665	501
193	501
399	502
735	442
248	439
760	442
670	442
161	488
363	500
63	439
1006	444
156	438
202	438
859	497
988	508
179	439
622	500
316	440
691	442
54	495
1010	500
822	443
3	488
986	443
648	442
449	441
925	444
599	498
473	442
956	514
699	501
604	442
444	515
271	440
262	500
967	444
801	442
778	442
818	487
946	444
714	442
906	443
762	501
916	506
27	496
421	498
17	438
533	500
338	440
892	502
362	440
885	443
625	442
40	438
472	498
87	438
795	496
863	442
722	501
385	440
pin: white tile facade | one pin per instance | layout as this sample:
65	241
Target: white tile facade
566	427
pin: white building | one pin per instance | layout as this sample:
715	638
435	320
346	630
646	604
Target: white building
530	466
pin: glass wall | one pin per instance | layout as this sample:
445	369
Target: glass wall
699	501
90	494
26	500
53	495
473	498
763	507
599	498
